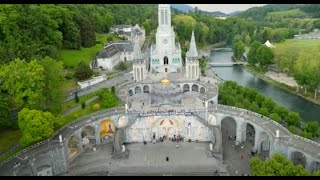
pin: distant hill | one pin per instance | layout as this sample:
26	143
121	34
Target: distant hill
234	13
281	10
182	7
218	13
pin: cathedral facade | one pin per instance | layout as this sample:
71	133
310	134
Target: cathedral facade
165	54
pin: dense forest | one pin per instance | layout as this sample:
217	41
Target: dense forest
32	75
34	31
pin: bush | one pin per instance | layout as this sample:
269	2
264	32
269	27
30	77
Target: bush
69	76
83	105
113	89
76	97
96	107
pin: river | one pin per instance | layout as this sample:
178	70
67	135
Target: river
307	110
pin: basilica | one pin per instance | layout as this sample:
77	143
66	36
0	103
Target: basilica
165	55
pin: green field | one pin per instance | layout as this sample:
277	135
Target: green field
301	43
71	58
294	13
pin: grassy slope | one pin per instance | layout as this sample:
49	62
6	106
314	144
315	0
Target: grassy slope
9	138
301	43
294	13
71	58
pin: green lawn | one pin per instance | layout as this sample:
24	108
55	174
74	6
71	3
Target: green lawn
71	58
70	84
294	13
9	138
72	103
301	43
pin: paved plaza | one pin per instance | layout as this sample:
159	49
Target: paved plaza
150	159
189	158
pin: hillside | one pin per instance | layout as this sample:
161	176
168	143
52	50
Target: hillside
285	10
294	13
182	7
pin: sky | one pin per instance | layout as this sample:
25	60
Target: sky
225	8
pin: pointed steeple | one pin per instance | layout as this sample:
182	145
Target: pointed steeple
136	49
193	48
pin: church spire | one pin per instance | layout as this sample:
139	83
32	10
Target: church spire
136	49
164	15
193	48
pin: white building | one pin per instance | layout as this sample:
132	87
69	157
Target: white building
112	54
165	55
137	31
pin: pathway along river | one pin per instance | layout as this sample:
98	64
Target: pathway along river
307	110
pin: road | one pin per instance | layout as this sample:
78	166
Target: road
107	83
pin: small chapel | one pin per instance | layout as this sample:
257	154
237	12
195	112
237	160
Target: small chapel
165	55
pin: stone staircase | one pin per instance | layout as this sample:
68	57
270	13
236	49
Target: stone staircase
117	141
216	138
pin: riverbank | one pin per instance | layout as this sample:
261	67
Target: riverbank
282	85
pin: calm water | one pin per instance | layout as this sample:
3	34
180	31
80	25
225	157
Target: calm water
307	110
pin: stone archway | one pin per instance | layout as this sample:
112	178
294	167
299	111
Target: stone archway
122	122
130	92
88	136
264	145
250	134
73	147
298	158
186	88
212	119
228	132
195	88
202	90
315	166
146	89
107	130
165	60
166	128
137	89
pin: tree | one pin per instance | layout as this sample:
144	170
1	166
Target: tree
306	134
24	82
281	111
147	27
76	97
252	54
54	81
121	66
4	112
87	31
293	119
83	71
238	48
312	127
109	39
83	104
278	165
265	56
35	125
108	99
202	63
113	89
275	117
247	40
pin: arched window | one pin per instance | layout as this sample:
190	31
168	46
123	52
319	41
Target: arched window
165	60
